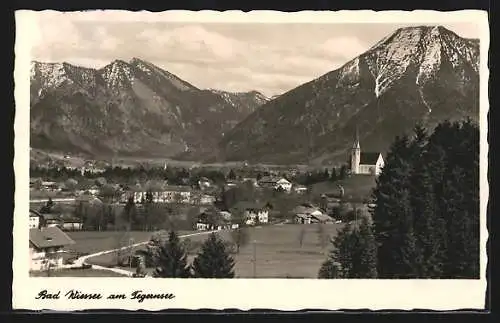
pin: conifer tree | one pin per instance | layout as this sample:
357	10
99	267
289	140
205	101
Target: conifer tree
172	259
213	260
354	253
329	270
333	175
392	215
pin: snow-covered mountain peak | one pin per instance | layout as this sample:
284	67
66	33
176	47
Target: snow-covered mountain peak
50	74
424	48
118	74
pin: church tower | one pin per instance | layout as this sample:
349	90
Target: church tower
355	155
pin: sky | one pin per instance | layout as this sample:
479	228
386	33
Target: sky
270	58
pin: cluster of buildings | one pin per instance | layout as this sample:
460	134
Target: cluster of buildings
47	243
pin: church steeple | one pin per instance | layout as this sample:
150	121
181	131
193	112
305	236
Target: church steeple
355	154
356	140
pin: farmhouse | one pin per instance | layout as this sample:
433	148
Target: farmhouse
275	183
369	163
47	247
307	214
253	212
212	219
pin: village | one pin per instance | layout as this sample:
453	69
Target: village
68	212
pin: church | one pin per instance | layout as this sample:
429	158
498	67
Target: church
368	163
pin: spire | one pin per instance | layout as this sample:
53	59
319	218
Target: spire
356	140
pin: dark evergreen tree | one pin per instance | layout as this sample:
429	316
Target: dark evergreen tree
213	260
172	259
343	172
329	270
231	175
392	215
333	175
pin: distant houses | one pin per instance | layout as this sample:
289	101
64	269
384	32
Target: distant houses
170	194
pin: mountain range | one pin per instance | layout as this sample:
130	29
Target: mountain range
415	75
129	108
419	74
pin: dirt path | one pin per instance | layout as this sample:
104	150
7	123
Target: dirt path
81	260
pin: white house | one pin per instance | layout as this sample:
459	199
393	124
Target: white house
276	183
34	222
46	248
369	163
253	212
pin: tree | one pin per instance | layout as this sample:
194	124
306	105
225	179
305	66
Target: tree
426	215
343	172
71	184
231	175
213	261
393	217
240	237
130	212
354	253
172	259
333	175
47	208
329	270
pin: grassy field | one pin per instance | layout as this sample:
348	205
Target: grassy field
279	254
76	273
95	241
277	249
356	187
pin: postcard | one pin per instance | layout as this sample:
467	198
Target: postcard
312	160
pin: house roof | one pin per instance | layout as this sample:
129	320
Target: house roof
369	158
35	213
321	217
49	237
51	216
270	179
302	209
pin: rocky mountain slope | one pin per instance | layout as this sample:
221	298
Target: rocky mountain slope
128	108
417	74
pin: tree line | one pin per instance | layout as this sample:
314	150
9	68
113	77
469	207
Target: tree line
425	222
170	259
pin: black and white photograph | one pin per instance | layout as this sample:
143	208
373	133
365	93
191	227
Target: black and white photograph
329	150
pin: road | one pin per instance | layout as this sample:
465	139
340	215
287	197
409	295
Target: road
81	260
55	200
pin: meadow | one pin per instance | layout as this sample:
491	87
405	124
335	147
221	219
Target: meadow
276	248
